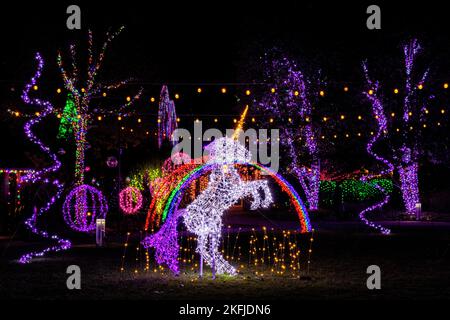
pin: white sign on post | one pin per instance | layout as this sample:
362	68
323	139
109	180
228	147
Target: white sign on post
100	231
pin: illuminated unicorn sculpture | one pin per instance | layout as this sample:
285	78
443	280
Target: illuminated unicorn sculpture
203	216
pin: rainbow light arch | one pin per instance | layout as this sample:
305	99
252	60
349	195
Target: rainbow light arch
174	198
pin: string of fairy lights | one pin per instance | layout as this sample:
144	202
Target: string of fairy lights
258	252
137	122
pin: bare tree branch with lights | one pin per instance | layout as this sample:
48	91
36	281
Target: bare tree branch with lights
290	100
84	92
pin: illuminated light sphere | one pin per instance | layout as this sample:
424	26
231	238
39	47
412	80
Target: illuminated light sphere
199	90
130	200
119	118
152	99
83	205
296	93
345	89
359	117
174	161
104	94
99	118
272	90
445	85
370	92
177	96
420	86
83	90
128	99
17	113
35	87
395	90
247	92
58	90
112	162
325	119
321	93
223	90
342	117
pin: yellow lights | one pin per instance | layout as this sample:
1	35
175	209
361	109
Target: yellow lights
99	118
325	119
58	90
424	125
35	87
17	113
346	89
197	120
323	137
37	114
123	128
131	130
104	94
445	85
359	134
152	99
342	117
215	120
178	119
128	99
442	111
139	120
177	96
119	118
398	130
307	119
234	120
395	90
359	117
370	92
159	120
147	133
371	133
247	92
272	90
199	90
289	119
410	113
223	90
321	93
83	90
335	136
439	124
410	128
271	120
393	114
420	86
426	111
253	120
78	116
347	135
296	93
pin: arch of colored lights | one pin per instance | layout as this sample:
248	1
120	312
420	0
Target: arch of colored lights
175	196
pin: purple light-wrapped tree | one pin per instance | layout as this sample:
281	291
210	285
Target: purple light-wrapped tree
404	133
290	99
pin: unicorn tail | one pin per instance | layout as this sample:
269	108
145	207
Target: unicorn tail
165	242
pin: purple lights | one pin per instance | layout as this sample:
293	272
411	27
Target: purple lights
406	146
83	205
291	101
39	175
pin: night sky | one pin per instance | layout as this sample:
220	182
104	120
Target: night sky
208	44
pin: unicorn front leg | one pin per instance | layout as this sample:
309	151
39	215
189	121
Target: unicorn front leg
253	188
